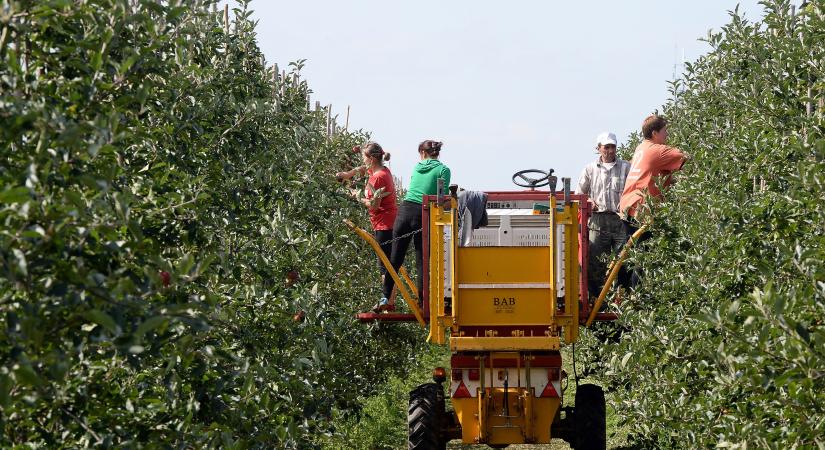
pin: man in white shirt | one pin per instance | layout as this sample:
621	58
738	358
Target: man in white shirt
603	181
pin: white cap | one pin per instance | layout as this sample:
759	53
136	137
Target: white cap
606	138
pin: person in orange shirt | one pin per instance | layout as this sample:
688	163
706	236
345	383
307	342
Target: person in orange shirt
652	165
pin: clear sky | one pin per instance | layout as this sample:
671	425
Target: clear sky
505	85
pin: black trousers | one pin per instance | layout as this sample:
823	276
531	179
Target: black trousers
384	238
407	220
607	237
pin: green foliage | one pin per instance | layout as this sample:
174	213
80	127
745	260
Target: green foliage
382	420
625	150
157	185
725	341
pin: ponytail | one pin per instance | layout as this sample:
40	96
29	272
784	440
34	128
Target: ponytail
431	148
374	150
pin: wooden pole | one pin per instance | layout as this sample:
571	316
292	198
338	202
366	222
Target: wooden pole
346	123
275	87
329	120
226	18
809	106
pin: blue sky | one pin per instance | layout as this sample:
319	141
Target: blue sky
505	85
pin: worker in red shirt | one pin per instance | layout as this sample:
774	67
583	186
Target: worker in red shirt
380	200
652	165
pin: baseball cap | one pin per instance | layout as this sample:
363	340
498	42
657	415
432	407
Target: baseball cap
606	138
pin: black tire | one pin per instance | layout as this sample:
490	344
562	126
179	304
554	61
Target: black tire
424	418
590	419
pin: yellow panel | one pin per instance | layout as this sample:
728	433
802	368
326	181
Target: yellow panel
467	411
544	411
504	343
504	307
503	265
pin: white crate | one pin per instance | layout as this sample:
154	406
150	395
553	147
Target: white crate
512	230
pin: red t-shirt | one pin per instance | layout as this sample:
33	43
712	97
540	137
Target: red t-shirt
650	161
383	217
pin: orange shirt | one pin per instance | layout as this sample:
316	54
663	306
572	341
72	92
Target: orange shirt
650	161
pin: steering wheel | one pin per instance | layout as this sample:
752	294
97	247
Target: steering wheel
544	179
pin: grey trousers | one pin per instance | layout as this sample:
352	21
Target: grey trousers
607	237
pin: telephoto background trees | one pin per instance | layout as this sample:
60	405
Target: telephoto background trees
723	342
175	271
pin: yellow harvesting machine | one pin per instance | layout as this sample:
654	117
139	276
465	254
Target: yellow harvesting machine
505	297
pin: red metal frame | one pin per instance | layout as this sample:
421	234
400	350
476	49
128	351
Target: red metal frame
385	317
536	359
534	195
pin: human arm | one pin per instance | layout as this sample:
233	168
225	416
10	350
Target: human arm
360	171
671	159
584	182
374	201
584	188
445	175
378	186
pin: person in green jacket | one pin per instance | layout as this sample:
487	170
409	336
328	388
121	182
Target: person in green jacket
424	181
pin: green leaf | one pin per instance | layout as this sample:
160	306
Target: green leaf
15	195
101	318
149	325
5	389
26	374
22	265
626	358
186	263
803	332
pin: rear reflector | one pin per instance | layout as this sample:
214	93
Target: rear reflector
462	391
457	374
549	391
473	375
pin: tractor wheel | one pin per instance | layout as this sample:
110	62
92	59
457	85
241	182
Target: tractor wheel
590	420
424	418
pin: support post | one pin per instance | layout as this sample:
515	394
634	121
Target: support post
226	18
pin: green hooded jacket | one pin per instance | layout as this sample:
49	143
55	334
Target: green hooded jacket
424	179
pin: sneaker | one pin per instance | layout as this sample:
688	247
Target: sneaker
381	305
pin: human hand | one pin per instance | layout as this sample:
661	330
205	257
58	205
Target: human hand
593	206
